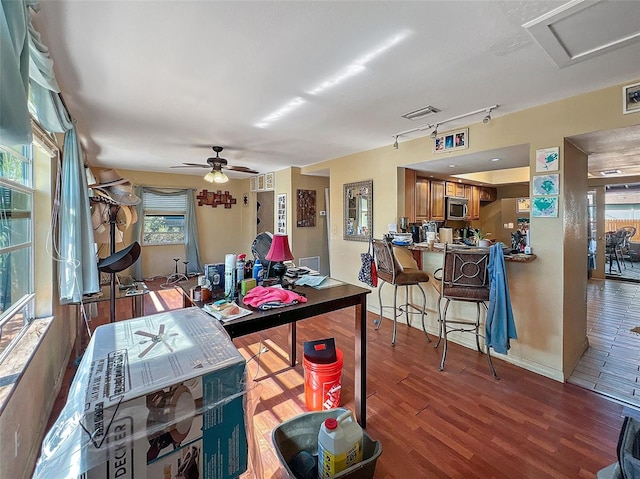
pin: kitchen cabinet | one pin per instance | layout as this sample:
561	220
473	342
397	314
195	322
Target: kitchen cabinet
454	189
488	193
410	194
473	194
422	199
437	195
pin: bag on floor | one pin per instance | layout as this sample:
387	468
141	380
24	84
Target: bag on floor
368	273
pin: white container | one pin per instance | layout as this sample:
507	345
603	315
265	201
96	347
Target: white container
339	445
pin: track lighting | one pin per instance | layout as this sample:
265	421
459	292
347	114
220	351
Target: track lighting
434	133
395	143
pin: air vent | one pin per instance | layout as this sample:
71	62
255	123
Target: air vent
610	172
421	113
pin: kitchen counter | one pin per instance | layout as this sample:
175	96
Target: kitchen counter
418	248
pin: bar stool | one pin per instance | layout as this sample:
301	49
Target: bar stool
464	277
396	266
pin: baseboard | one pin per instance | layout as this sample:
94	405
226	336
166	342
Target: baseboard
468	341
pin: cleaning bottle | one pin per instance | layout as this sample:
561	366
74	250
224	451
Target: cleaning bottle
258	272
240	269
339	445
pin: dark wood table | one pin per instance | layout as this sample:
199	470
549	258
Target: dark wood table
319	301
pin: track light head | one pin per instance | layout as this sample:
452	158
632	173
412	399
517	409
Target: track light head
395	143
487	118
434	133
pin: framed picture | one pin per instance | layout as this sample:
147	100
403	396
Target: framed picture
306	209
253	181
544	207
631	98
547	159
269	181
523	205
260	186
282	213
546	185
452	140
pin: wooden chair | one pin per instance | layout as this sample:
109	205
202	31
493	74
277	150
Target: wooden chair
396	266
464	276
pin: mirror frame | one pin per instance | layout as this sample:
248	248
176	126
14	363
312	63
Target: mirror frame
367	186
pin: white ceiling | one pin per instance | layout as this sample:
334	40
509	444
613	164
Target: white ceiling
157	83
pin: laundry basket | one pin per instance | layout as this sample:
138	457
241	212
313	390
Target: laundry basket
301	434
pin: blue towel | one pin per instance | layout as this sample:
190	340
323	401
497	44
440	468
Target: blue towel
499	326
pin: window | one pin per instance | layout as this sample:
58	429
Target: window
164	218
16	244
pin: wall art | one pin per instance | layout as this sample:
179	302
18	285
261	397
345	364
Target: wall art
523	205
306	208
215	199
269	181
452	140
544	207
546	185
282	214
547	159
631	98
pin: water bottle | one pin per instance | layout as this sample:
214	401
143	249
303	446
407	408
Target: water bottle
258	272
340	443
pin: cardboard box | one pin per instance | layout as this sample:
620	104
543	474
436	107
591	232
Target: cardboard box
158	397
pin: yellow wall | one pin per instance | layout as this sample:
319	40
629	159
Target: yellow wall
220	230
541	345
575	245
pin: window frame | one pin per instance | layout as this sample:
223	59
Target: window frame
156	210
25	305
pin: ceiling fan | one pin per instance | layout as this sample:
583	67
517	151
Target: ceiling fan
217	164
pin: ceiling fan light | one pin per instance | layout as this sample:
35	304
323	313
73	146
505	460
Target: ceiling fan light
209	177
220	177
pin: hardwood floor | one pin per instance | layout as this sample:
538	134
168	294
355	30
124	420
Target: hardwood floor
459	423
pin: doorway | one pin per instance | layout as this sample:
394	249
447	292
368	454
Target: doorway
264	214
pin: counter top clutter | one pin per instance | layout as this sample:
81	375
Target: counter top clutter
439	248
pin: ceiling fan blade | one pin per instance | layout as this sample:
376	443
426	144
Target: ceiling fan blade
191	165
241	169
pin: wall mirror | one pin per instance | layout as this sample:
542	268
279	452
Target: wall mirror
358	211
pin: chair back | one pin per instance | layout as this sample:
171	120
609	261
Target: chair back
465	275
385	261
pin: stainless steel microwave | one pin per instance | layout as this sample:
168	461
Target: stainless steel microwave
457	208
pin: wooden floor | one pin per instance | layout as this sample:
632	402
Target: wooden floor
460	423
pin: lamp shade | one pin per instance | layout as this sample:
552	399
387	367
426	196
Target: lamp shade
279	250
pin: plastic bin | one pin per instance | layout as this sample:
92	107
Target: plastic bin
301	434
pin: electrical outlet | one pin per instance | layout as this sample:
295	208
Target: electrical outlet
506	225
510	226
323	213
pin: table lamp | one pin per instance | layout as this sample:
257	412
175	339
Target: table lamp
279	252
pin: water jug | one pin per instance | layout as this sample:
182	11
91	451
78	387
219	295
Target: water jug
339	445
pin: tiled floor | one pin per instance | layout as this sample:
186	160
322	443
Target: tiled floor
611	364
